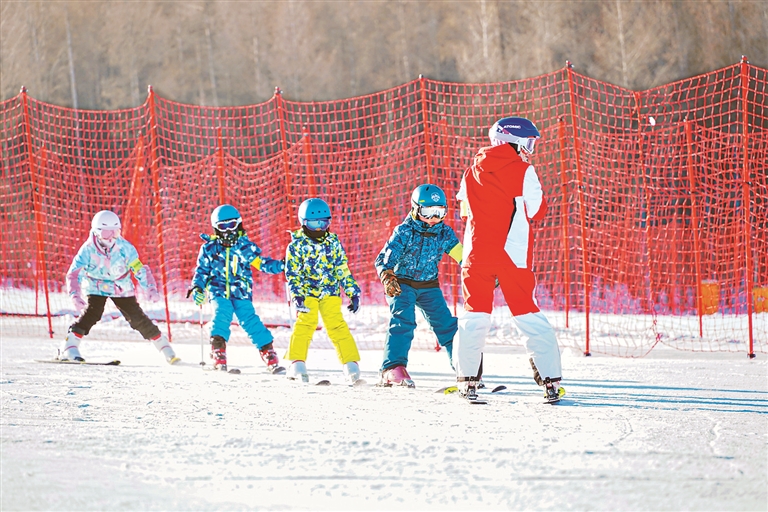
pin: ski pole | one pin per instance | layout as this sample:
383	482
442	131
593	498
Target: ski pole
202	336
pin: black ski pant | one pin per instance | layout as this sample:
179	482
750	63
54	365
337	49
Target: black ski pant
128	306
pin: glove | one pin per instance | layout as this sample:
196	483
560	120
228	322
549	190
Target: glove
391	286
153	295
79	303
281	267
354	303
299	303
197	295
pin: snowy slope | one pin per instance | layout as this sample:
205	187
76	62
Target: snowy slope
672	431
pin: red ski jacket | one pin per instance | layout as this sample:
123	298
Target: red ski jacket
502	192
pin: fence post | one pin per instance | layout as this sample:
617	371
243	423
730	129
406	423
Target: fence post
158	206
745	179
586	271
564	220
290	201
134	195
425	119
220	166
36	205
644	181
694	223
308	159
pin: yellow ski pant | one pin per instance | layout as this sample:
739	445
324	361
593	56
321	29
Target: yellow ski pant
335	326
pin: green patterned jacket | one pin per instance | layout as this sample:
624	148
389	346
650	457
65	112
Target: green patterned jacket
318	268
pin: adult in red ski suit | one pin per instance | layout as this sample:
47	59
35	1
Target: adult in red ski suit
501	194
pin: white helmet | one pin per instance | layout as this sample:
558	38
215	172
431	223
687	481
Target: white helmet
105	226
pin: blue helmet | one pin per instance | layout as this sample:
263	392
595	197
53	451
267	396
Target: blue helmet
517	130
227	223
315	214
224	212
429	201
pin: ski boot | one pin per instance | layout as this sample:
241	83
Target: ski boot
298	371
395	376
352	372
269	356
163	346
219	353
468	389
553	391
69	348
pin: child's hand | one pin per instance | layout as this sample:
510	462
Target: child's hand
197	295
354	303
152	295
299	303
79	303
391	286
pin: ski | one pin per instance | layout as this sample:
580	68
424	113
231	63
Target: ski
232	371
114	362
447	390
277	370
453	390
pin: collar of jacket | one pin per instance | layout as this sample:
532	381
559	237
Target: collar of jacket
300	234
422	227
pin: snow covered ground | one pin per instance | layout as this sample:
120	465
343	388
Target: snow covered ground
671	431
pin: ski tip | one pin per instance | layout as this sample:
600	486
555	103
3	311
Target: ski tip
498	388
277	371
234	371
323	383
447	390
359	383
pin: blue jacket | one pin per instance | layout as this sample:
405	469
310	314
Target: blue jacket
225	271
415	249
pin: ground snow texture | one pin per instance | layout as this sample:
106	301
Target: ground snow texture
672	431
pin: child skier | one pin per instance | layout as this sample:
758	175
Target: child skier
102	270
408	269
223	269
316	267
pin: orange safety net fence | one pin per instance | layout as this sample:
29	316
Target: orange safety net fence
656	234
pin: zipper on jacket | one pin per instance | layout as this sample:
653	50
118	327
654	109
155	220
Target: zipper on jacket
226	264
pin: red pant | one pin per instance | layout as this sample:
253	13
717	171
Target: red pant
478	281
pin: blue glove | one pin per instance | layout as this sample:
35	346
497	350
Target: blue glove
274	267
354	303
197	295
299	303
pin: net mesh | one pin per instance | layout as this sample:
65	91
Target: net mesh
656	232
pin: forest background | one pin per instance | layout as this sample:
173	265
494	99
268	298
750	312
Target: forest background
103	54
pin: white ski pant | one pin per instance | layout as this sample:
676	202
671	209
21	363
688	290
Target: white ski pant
538	338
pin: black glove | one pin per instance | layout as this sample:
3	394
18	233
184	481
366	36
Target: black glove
300	306
354	303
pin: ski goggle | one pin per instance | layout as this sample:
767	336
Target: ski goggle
527	144
317	224
228	225
431	212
